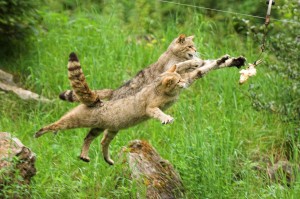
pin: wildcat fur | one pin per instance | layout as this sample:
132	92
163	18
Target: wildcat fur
115	115
181	51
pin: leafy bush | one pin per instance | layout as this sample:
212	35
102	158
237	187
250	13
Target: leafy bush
282	73
18	18
285	44
283	47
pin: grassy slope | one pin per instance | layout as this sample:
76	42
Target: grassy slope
211	142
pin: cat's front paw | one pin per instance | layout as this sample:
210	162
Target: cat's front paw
168	119
195	63
223	59
238	62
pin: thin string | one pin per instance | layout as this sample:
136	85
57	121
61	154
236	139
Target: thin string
225	11
263	45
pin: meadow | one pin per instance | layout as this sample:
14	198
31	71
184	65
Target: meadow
217	139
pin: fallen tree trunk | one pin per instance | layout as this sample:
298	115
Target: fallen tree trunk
156	178
7	84
16	165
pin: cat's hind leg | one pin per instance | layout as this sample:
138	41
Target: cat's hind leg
93	133
107	138
66	122
50	128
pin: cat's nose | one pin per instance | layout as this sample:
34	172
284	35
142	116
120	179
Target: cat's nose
183	84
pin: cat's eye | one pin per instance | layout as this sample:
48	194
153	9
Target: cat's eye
190	46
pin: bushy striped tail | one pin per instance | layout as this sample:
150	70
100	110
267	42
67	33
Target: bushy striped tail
79	85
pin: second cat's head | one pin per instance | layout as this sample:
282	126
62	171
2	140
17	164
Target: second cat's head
183	47
172	82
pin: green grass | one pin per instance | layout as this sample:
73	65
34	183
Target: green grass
216	134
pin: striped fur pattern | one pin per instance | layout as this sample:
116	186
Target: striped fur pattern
181	52
182	49
123	113
79	85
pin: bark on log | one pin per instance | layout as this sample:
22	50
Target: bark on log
6	78
16	160
7	84
144	165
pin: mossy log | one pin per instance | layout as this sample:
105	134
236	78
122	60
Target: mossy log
155	177
282	171
17	162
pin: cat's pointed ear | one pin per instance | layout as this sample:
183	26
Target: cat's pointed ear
172	69
167	81
191	37
181	38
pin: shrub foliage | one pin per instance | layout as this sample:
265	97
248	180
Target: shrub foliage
18	18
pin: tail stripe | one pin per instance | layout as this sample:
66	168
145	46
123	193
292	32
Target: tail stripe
72	68
79	84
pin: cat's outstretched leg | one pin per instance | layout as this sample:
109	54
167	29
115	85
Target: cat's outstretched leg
223	62
194	69
160	115
233	62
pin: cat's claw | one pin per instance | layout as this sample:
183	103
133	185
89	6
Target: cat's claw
38	134
109	161
196	63
85	159
168	120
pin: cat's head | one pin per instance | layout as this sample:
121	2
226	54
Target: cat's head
183	47
172	82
